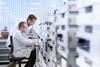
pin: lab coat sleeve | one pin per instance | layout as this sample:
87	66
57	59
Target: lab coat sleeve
18	36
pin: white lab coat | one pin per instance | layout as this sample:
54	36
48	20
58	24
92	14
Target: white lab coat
22	45
24	52
30	28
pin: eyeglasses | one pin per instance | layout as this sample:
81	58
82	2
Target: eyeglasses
33	21
24	26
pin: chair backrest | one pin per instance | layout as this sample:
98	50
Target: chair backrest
11	45
10	56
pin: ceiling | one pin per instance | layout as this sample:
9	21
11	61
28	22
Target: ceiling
11	11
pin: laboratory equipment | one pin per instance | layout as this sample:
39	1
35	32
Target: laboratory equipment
88	45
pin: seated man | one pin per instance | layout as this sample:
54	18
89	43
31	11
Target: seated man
23	45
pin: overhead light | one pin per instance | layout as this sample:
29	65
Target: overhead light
35	3
53	5
65	0
33	8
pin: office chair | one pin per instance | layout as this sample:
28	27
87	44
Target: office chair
11	56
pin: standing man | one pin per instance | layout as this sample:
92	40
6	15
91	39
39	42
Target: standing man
30	22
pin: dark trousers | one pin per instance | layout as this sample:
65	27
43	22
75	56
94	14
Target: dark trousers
32	59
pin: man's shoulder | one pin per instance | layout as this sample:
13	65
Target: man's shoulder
17	32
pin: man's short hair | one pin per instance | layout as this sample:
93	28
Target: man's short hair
31	17
21	24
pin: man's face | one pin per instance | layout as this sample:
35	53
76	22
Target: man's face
24	28
31	22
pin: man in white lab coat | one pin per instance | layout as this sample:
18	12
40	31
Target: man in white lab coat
30	22
23	45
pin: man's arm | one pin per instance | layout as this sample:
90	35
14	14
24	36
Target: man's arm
18	36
